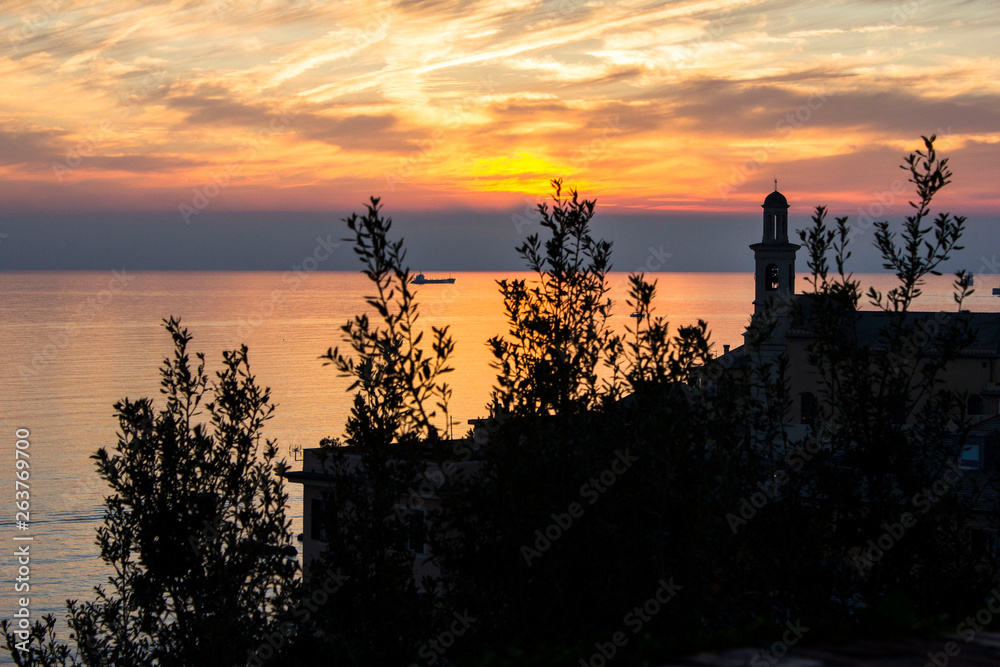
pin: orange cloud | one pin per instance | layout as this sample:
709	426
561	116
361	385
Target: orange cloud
690	106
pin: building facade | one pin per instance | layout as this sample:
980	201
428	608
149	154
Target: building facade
792	330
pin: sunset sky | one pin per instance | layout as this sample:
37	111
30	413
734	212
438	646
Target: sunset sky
123	112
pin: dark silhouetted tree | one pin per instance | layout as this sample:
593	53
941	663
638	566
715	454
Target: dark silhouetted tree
195	529
379	615
558	325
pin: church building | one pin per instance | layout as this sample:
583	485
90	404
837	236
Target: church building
975	371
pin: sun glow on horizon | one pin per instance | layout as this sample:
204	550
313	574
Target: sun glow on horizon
688	106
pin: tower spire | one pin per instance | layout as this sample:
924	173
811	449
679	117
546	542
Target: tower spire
774	256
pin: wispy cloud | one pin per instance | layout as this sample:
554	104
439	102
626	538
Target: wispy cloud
484	101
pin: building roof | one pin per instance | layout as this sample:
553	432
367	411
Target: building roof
869	325
775	200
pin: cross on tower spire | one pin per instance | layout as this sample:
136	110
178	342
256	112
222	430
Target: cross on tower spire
775	183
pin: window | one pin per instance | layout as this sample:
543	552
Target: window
773	278
975	404
414	535
897	409
418	532
317	520
808	405
970	457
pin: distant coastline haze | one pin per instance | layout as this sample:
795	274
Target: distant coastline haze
465	240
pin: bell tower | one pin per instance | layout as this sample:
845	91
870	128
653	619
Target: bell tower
774	256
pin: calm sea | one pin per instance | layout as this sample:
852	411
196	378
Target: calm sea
71	344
